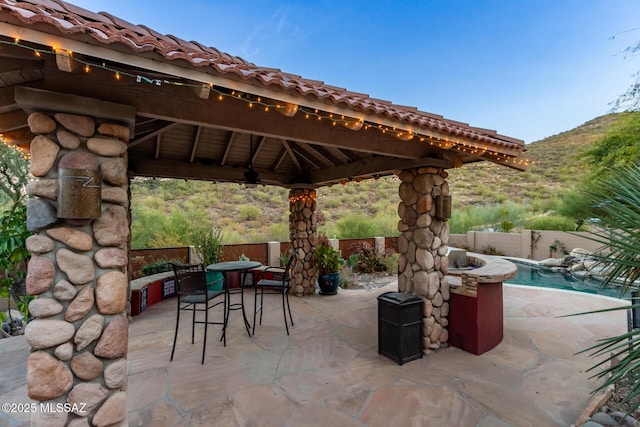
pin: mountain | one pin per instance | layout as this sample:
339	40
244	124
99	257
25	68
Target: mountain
261	214
557	162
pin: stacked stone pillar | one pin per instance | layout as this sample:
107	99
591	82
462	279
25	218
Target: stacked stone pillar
302	233
423	262
78	271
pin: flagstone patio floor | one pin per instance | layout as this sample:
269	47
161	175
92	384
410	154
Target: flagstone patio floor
328	371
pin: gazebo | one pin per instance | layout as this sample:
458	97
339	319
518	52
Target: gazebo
96	101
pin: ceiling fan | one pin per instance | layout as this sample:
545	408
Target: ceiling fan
251	178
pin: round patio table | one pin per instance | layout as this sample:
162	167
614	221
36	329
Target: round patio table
226	267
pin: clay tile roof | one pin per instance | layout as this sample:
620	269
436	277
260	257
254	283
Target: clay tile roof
107	29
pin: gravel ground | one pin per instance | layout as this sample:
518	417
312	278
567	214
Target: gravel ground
366	281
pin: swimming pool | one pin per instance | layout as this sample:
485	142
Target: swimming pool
533	275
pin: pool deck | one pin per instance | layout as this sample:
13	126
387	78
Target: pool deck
328	371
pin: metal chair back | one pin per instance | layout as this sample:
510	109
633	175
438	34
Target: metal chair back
289	267
190	279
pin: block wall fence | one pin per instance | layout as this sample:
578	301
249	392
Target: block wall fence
528	244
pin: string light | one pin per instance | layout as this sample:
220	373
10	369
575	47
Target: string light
289	109
25	154
304	197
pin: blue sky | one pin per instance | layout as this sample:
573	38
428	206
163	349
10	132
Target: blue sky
526	68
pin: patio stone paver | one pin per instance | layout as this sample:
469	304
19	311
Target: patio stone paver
414	405
328	371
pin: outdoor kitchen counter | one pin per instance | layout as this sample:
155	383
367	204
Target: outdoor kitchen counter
490	269
476	306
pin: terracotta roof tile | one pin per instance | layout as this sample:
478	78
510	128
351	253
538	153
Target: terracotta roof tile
108	29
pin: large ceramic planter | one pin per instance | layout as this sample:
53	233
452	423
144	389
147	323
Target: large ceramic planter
214	280
329	283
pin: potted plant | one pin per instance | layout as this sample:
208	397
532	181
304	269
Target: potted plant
208	246
329	263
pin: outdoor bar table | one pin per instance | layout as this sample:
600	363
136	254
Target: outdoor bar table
226	267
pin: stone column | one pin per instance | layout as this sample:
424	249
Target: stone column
78	269
422	243
302	233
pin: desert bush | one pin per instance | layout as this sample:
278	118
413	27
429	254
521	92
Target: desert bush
354	226
278	232
234	237
390	260
249	212
490	250
276	201
551	222
367	261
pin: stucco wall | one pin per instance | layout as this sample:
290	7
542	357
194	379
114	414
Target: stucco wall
530	244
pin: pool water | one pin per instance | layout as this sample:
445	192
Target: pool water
531	275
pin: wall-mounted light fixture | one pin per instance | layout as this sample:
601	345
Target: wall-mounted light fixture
79	193
443	207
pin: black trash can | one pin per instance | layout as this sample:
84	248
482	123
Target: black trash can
400	326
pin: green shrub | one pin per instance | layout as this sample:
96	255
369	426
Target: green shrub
367	261
249	212
354	226
278	232
390	260
551	222
159	266
208	245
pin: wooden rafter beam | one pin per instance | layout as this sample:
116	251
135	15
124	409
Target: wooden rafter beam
317	155
194	145
152	135
227	149
292	155
158	144
22	137
279	159
233	115
13	120
7	101
371	166
257	149
9	64
300	153
169	168
326	155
